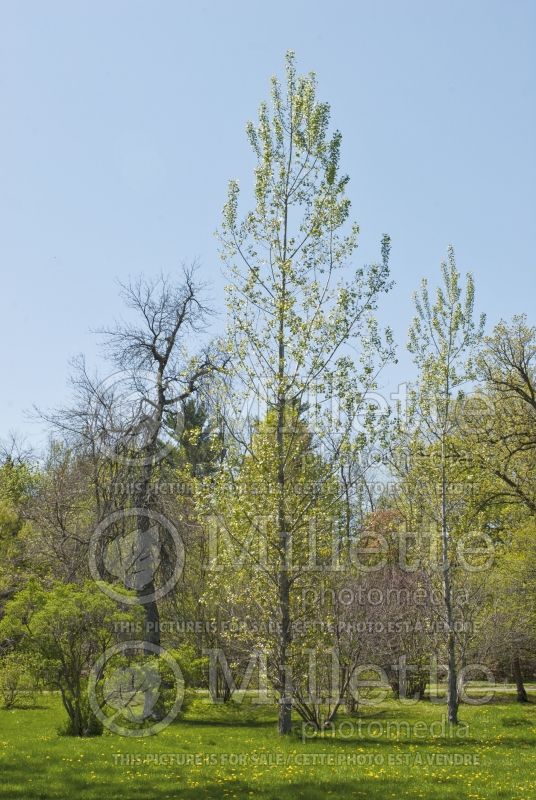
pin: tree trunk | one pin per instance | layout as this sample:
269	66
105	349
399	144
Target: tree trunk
285	718
518	678
285	690
452	691
145	545
452	679
145	585
284	678
351	703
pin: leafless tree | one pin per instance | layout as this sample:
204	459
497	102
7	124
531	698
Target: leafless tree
127	424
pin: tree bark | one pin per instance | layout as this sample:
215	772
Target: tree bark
452	680
518	678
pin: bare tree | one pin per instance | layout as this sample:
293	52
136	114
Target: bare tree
129	423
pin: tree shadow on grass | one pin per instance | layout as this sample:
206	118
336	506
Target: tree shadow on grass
26	707
197	722
428	743
15	787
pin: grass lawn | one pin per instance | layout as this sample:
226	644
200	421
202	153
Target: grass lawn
391	751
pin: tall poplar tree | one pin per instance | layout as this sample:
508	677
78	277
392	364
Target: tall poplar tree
297	317
442	339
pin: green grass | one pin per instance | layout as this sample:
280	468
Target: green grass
501	736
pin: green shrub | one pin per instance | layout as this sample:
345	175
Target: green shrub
17	680
193	667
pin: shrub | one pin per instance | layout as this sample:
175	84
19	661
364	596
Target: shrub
65	628
17	679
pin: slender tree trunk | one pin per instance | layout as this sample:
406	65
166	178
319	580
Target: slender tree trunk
518	678
285	707
452	680
285	701
284	677
351	703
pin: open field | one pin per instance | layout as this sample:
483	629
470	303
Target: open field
232	751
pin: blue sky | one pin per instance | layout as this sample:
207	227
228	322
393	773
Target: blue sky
123	121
